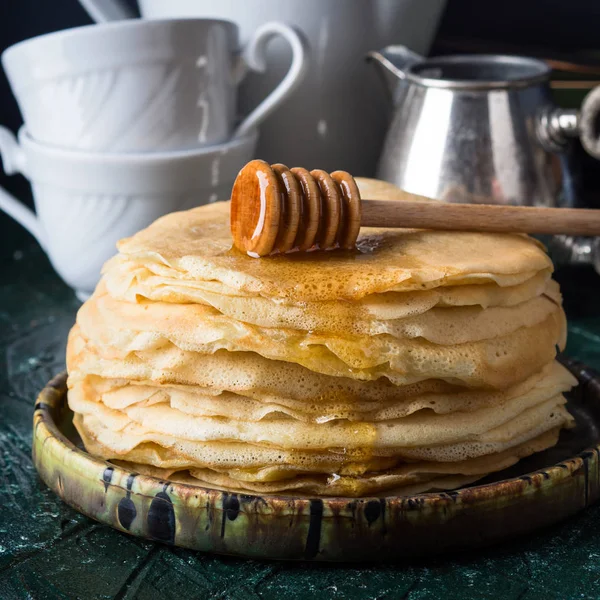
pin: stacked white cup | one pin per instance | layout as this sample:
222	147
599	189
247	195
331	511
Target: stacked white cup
127	121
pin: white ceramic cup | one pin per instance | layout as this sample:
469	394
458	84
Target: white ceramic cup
86	202
138	86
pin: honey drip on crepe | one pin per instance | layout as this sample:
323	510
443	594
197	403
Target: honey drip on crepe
321	275
366	435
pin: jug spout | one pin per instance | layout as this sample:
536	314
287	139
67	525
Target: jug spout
392	63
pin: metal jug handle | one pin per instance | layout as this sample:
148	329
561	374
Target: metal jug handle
557	125
575	250
589	123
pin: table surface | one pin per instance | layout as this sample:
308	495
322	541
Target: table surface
49	551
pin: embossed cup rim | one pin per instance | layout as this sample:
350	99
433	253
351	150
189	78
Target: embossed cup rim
98	29
129	158
88	47
141	173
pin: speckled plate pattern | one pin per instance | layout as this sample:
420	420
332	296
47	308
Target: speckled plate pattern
538	491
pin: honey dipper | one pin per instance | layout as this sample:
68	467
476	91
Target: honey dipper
275	210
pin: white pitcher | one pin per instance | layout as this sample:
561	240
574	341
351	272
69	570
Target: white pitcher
337	118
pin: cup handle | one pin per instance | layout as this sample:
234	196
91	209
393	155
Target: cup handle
103	11
13	161
254	57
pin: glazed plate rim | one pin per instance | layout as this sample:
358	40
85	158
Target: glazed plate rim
59	459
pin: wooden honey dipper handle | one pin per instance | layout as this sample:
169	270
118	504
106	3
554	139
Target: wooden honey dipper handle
480	217
275	210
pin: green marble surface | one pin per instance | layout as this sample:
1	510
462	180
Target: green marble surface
49	551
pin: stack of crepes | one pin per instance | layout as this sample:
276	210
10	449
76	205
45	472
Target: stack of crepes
421	361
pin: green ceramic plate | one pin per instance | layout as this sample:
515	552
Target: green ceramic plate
540	490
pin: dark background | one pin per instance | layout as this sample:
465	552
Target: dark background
560	29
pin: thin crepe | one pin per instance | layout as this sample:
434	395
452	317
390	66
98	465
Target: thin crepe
195	245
